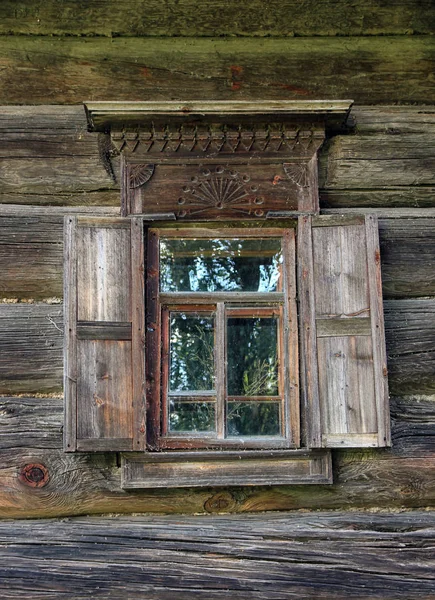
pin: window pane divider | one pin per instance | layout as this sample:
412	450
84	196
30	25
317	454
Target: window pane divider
229	297
220	362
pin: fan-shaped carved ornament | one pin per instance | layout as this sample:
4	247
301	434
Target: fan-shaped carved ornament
220	189
297	173
140	174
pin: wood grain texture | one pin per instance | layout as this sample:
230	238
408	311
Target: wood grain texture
90	483
409	331
31	252
31	345
252	18
402	160
269	557
66	70
79	168
31	348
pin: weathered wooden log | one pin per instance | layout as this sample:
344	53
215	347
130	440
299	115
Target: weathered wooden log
67	70
378	161
278	18
31	254
31	434
31	341
50	159
31	347
269	557
410	335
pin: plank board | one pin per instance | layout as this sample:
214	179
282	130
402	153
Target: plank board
187	18
68	70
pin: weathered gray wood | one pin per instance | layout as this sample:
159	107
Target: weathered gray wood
410	331
378	332
370	70
355	162
31	251
31	256
98	254
31	347
339	327
81	484
390	196
352	371
186	18
270	557
309	389
199	469
70	364
393	120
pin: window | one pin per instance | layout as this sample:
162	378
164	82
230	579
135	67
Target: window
222	332
224	302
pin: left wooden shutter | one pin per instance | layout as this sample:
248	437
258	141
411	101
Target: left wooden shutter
104	335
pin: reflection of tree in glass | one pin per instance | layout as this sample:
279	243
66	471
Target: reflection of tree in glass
253	418
191	353
191	265
252	356
194	416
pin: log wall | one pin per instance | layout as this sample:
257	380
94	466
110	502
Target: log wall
52	166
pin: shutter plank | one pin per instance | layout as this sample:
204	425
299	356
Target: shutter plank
104	402
104	393
346	308
70	335
103	256
307	325
378	331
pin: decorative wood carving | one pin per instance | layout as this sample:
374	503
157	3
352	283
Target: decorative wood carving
185	139
297	173
140	174
222	189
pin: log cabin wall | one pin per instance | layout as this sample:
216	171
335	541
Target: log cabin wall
55	55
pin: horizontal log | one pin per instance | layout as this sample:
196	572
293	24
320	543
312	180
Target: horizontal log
355	162
31	348
269	557
391	197
31	255
187	18
410	336
392	120
67	70
31	433
31	342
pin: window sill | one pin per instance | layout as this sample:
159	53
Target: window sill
228	468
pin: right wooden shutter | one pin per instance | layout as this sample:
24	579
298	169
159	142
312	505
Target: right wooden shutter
344	372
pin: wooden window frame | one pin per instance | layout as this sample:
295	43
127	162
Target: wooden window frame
222	304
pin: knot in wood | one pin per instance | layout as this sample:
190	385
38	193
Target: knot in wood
221	502
34	475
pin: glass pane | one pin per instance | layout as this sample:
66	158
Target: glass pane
191	352
253	418
219	265
191	416
252	351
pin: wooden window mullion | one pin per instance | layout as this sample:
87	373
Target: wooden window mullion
220	362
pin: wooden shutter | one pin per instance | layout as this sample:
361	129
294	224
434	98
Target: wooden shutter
104	323
344	372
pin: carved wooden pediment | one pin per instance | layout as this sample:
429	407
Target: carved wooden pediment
207	160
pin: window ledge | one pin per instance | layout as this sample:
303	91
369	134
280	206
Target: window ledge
228	468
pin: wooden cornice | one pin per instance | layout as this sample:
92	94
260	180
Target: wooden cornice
105	116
